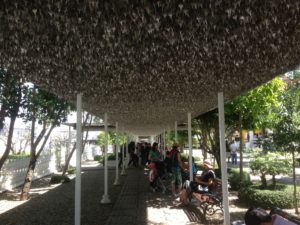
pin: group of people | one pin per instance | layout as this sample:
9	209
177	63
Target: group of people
181	185
201	184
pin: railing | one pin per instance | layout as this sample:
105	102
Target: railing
14	171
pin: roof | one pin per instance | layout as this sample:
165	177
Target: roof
148	63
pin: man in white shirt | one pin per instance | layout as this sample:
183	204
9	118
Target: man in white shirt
233	151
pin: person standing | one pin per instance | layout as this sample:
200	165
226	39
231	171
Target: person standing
176	170
233	151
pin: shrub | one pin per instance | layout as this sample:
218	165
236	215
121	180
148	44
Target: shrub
71	170
197	158
266	199
98	157
57	178
111	156
234	179
19	156
184	157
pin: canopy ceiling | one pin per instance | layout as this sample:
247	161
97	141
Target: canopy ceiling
147	63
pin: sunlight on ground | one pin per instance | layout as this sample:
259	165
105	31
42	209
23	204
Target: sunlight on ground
6	205
165	216
9	205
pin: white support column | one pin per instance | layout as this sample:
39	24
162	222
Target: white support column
105	197
164	146
223	158
190	145
176	131
117	181
78	160
123	173
69	145
152	139
127	154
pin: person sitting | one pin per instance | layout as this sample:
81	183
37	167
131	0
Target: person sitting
203	184
257	216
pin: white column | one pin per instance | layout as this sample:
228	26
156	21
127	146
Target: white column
117	182
190	145
78	160
223	158
176	132
152	139
69	145
105	197
164	146
123	173
127	154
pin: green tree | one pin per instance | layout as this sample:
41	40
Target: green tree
49	111
111	139
206	128
270	163
11	92
287	127
255	109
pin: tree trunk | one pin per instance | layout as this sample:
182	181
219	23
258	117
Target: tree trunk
263	180
294	183
31	167
68	160
241	145
274	180
9	141
13	118
74	146
28	179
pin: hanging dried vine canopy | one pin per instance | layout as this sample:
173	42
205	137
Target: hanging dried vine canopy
146	63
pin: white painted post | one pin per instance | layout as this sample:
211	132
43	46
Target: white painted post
117	182
190	145
78	160
123	173
105	197
223	158
69	145
164	146
127	154
176	131
152	139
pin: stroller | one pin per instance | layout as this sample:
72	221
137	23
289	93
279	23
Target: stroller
156	177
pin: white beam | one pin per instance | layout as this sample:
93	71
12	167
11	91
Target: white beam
223	158
190	145
78	160
105	197
117	181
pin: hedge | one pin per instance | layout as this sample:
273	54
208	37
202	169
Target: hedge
254	196
234	179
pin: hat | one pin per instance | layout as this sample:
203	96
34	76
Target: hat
207	163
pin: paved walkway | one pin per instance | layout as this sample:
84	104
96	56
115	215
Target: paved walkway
132	203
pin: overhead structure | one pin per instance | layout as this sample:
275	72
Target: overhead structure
148	63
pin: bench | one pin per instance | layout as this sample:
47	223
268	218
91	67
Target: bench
210	202
291	218
280	218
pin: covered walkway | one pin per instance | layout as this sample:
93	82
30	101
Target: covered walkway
132	203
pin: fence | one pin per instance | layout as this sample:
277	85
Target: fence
14	170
